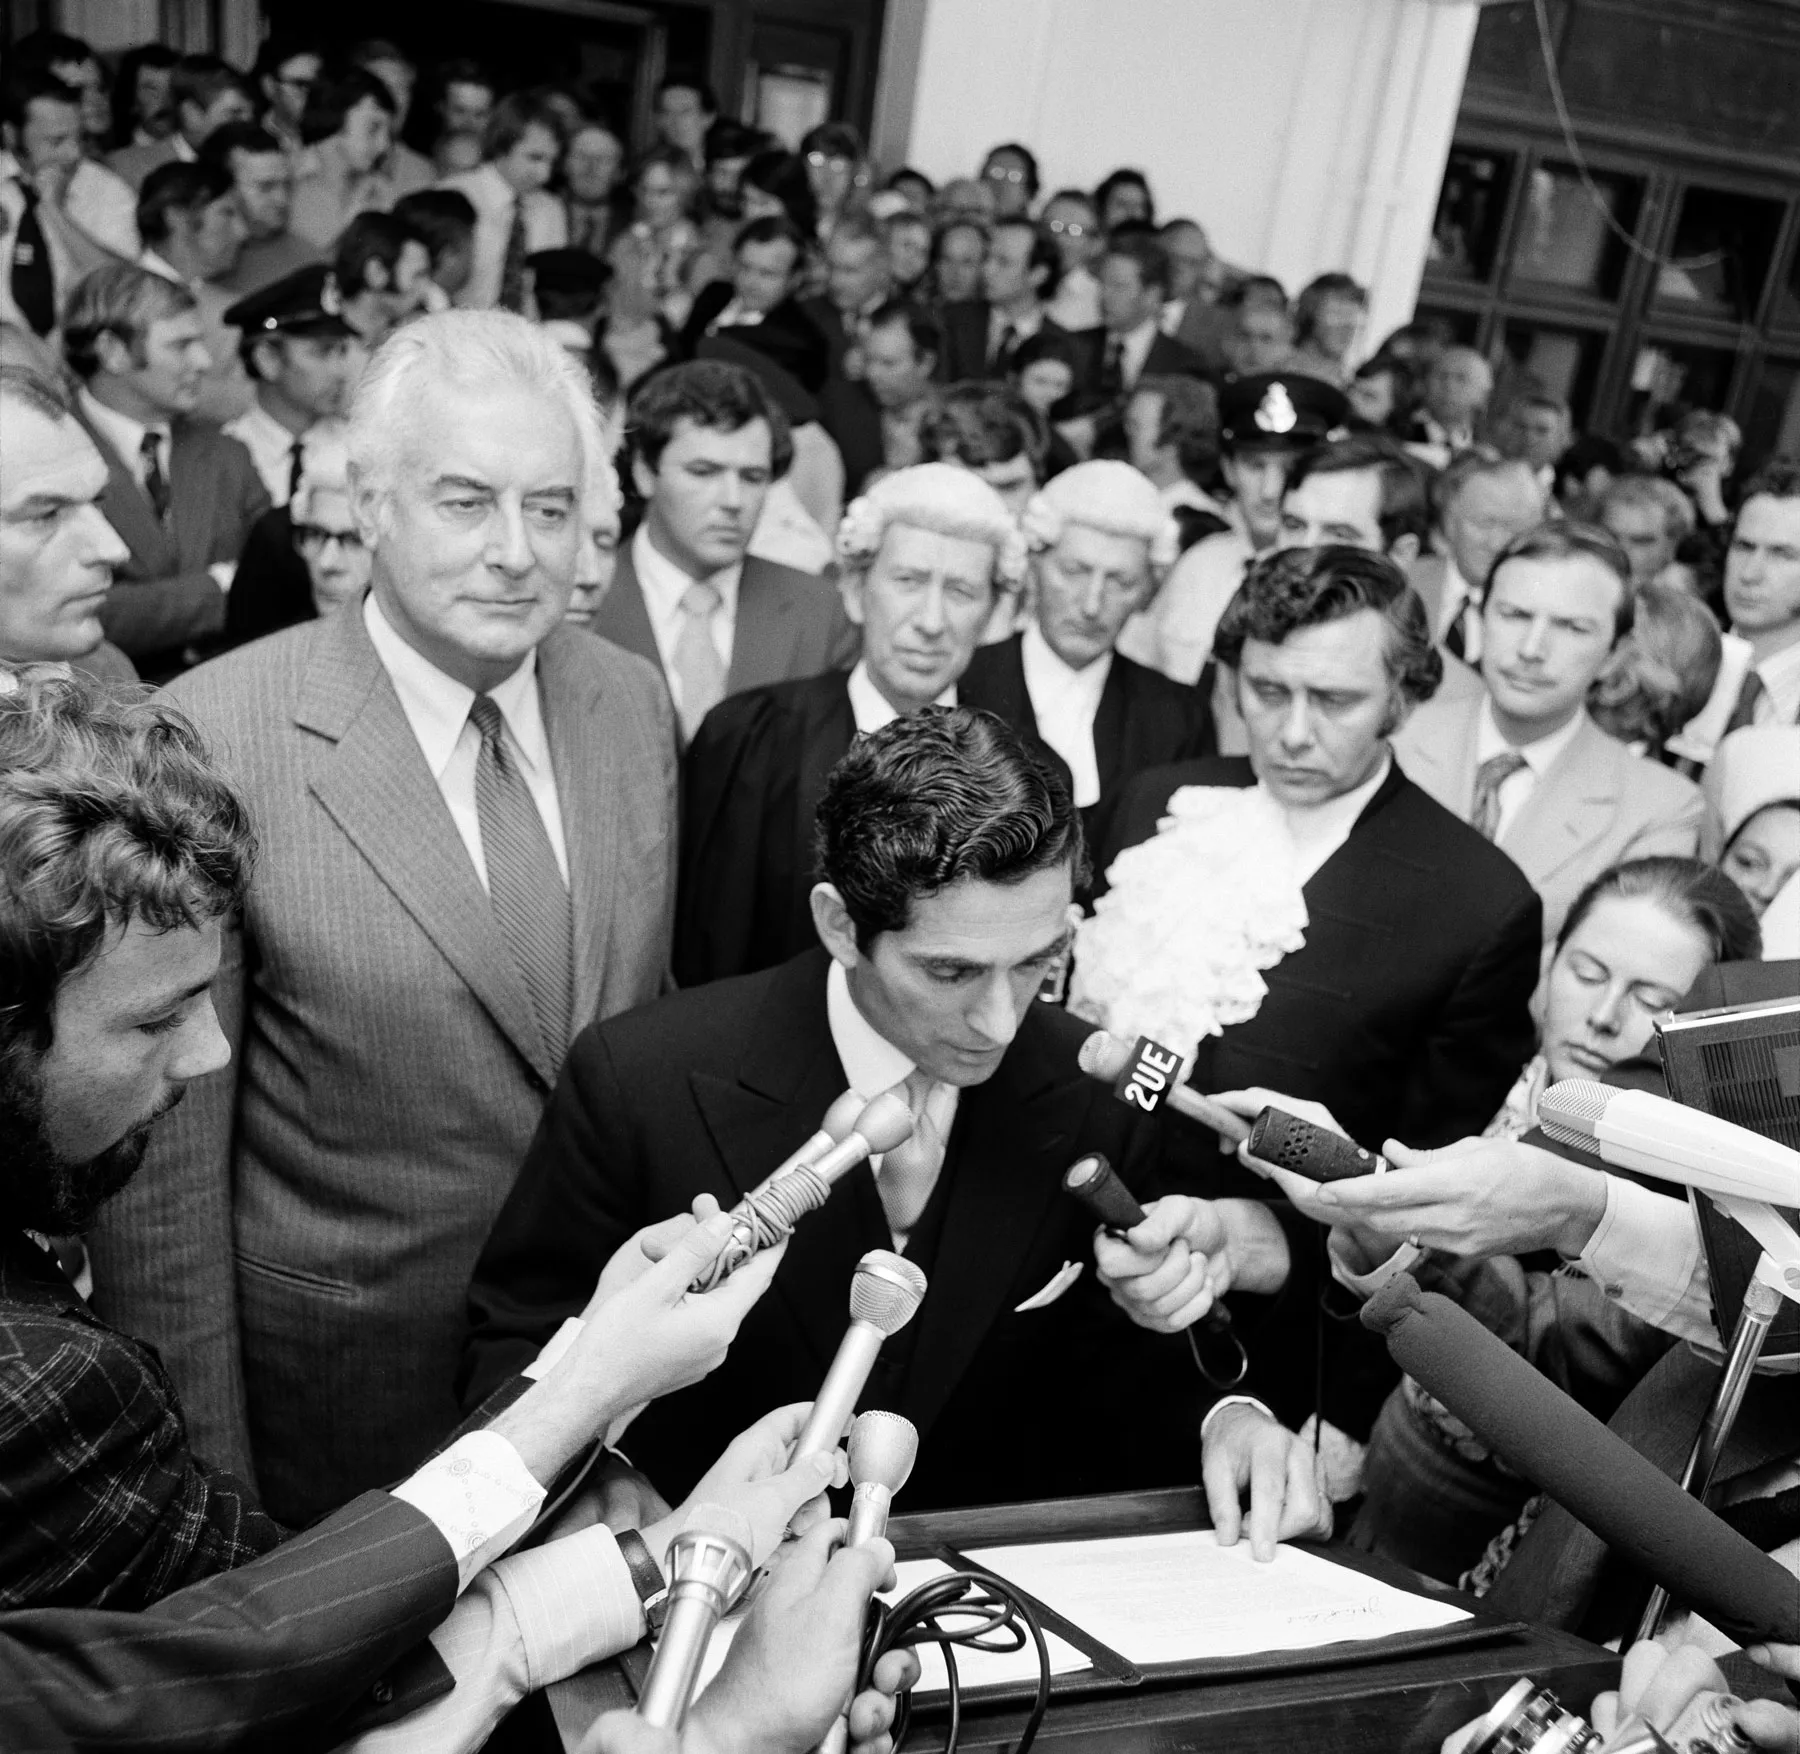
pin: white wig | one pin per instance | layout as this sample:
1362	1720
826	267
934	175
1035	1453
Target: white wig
326	466
469	349
1107	496
943	497
1756	766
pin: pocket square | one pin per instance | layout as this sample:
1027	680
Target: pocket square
1069	1273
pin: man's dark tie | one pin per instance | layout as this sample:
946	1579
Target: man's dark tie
1112	366
33	284
1454	642
1750	697
512	267
1484	813
156	483
296	468
1004	349
525	888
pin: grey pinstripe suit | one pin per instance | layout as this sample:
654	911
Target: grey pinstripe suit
300	1238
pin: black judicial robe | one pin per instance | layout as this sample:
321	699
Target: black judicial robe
1144	720
752	779
1406	1012
707	1091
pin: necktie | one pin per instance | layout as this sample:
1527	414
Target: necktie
296	468
910	1171
1003	350
1751	696
1484	815
1112	367
698	671
33	285
525	888
1455	642
156	483
512	266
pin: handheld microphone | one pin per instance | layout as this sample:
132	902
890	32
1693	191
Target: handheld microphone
1288	1142
1631	1129
1596	1476
883	1448
1145	1075
885	1294
709	1563
802	1184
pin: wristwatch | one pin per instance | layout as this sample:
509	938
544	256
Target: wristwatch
646	1577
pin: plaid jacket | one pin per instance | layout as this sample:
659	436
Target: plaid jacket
102	1503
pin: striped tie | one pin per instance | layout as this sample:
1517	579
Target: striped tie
1484	815
525	888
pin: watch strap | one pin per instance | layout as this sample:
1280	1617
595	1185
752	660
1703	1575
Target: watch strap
646	1576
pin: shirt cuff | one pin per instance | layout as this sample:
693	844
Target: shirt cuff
223	572
1219	1407
1645	1255
554	1348
574	1602
480	1496
1365	1285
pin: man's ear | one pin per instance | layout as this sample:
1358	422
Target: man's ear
1404	550
112	355
366	501
850	590
831	920
643	477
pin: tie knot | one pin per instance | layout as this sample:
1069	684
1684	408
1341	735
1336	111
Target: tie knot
700	598
484	714
1498	769
150	445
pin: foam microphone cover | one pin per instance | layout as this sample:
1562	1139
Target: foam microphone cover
1626	1500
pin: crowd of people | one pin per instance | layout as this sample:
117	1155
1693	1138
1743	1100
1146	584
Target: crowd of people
524	672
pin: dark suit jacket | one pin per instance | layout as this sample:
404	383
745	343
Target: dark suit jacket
965	354
318	1641
272	589
850	414
829	321
163	598
788	624
299	1241
786	334
708	1090
1144	720
1406	1012
1167	358
753	777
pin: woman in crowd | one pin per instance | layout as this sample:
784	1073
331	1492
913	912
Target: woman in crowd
1753	784
1381	393
836	170
1124	196
383	276
1328	319
1661	674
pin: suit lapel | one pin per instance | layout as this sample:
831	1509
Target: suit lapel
128	510
622	617
587	784
1005	1147
762	637
1570	807
373	782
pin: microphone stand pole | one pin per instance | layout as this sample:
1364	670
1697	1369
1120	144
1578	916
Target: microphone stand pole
1777	1276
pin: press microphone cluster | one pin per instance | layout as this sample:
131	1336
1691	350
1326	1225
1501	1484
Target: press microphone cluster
852	1131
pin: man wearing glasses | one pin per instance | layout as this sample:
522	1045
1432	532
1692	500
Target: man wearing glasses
1070	218
1011	172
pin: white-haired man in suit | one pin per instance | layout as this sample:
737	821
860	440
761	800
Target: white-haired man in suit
1521	761
466	816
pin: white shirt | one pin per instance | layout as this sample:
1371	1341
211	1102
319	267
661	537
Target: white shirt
104	205
872	709
271	448
787	533
736	315
126	435
437	708
1064	701
1320	829
1780	673
1175	634
664	584
1134	350
1077	301
493	198
1539	758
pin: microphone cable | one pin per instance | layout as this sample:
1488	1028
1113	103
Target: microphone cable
970	1609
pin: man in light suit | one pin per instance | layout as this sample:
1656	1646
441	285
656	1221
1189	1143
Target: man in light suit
181	494
1521	762
467	820
707	441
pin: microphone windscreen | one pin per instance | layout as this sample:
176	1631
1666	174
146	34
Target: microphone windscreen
885	1122
1103	1055
1569	1111
840	1118
1598	1478
885	1290
883	1448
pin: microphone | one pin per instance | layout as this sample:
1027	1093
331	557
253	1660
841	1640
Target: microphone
1596	1476
709	1563
883	1448
1631	1129
768	1213
1145	1075
885	1293
1288	1142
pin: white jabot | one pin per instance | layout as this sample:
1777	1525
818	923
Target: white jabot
871	1062
872	709
1320	829
437	708
664	585
126	435
1064	701
1538	757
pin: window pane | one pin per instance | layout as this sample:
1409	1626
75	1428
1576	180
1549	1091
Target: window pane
1566	235
1723	245
1787	295
1564	361
1466	232
1772	425
1668	379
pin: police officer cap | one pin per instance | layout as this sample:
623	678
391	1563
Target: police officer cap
1279	410
305	302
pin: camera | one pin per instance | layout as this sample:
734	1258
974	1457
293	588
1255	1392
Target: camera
1529	1719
